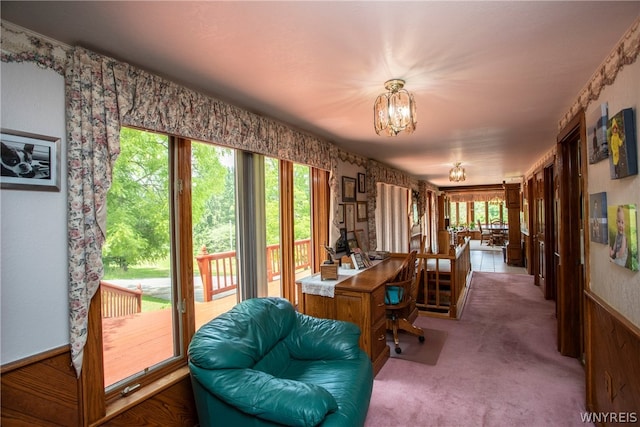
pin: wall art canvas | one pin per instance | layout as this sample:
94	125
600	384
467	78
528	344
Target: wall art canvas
623	236
598	221
621	138
597	134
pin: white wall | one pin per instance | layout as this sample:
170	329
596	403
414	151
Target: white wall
33	233
618	286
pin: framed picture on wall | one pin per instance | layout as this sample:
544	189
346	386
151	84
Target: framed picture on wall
350	216
621	138
362	185
340	213
361	211
623	236
597	134
598	220
348	189
30	161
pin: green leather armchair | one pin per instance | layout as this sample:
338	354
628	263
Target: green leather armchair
264	364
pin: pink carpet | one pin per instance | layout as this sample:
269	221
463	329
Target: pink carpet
498	367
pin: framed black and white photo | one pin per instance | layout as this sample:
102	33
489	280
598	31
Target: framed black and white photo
362	186
340	213
30	161
348	189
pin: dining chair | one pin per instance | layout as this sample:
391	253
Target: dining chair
484	234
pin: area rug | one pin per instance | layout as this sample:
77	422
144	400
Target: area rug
426	352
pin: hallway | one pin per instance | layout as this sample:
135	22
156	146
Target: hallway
490	259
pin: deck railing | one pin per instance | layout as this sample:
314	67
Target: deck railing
219	271
118	301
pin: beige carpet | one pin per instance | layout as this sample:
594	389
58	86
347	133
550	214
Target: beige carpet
426	352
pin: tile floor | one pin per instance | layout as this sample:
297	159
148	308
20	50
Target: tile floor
487	258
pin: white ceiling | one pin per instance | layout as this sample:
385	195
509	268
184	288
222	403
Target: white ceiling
491	79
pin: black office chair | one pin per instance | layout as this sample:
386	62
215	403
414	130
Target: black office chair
401	294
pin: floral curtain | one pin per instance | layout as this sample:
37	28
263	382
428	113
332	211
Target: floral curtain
93	144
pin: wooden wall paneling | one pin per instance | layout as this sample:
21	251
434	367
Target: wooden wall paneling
41	390
174	406
612	362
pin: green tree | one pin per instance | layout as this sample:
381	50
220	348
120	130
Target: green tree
213	198
138	201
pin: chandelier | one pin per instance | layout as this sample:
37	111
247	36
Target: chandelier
457	173
395	110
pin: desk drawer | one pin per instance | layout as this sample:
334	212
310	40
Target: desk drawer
377	305
379	338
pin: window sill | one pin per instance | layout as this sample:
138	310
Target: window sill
124	404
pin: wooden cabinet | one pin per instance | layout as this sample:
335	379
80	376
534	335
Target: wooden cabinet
358	299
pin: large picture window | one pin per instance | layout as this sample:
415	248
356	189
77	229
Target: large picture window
171	196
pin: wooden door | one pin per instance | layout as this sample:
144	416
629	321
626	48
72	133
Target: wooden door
540	232
550	239
570	278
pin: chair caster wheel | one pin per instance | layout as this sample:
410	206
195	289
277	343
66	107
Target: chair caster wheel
398	350
421	338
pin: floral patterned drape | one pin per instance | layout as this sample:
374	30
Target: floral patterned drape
93	144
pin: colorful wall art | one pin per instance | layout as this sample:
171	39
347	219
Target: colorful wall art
623	236
621	138
597	134
598	220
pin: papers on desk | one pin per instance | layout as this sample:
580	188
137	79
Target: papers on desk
315	286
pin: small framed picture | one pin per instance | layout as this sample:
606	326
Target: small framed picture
350	216
361	211
597	134
348	189
362	186
30	161
598	221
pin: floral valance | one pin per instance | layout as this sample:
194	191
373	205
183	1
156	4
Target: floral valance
477	196
154	103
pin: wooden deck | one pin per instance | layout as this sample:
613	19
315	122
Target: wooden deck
138	341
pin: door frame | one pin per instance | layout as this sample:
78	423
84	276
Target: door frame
572	218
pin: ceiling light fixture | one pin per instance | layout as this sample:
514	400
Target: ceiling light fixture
457	173
395	110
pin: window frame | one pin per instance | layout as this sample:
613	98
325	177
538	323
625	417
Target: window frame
95	398
96	404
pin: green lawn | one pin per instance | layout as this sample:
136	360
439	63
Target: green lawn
150	303
149	271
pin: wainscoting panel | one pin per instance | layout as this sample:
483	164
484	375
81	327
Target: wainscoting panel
613	364
41	390
174	406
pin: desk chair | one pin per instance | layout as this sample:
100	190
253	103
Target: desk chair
484	234
401	293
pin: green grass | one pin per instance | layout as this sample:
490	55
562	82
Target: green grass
149	271
150	303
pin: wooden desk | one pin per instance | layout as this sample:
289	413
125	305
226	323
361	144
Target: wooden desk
360	300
